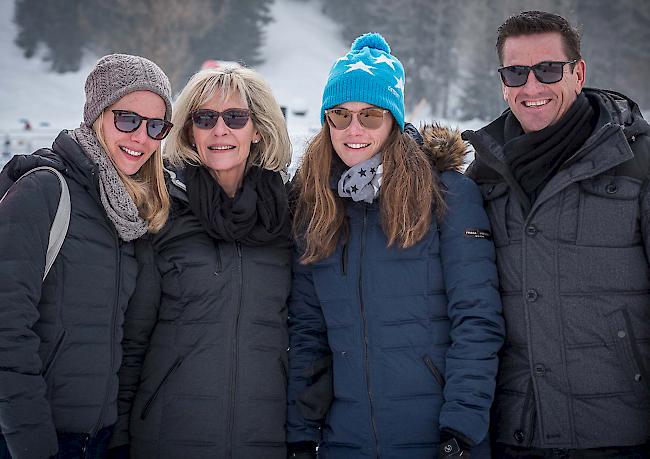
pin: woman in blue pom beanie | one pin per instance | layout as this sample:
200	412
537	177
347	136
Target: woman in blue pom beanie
394	315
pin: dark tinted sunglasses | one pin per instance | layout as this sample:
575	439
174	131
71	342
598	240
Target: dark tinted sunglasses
126	121
547	72
235	118
369	118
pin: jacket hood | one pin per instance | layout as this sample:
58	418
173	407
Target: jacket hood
619	109
444	146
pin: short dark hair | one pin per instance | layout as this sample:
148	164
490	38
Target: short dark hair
533	22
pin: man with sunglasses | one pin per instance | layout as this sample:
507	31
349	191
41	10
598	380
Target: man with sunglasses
564	173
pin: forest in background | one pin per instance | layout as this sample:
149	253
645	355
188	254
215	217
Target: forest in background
446	46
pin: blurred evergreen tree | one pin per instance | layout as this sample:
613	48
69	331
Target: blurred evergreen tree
177	36
52	26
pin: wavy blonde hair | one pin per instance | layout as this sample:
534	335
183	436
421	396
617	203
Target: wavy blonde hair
409	193
273	152
146	187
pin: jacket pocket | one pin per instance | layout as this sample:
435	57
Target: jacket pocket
440	379
627	352
524	434
344	258
283	369
608	215
219	265
152	399
56	350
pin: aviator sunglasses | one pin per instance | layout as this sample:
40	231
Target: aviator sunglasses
234	118
547	72
126	121
369	118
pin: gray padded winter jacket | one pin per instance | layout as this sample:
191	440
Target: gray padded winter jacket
575	285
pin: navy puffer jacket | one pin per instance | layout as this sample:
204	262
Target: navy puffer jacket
413	334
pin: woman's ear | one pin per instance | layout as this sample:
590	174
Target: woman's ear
190	137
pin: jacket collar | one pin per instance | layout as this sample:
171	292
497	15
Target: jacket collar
619	119
176	183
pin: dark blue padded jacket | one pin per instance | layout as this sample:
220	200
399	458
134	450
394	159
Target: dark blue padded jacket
412	334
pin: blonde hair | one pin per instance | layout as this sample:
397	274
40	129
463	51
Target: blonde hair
409	193
273	152
146	187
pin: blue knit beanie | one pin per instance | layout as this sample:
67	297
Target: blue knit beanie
370	74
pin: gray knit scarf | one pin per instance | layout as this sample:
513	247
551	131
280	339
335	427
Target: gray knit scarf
117	202
362	181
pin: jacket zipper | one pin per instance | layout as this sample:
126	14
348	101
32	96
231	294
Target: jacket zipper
365	333
116	305
344	256
149	404
235	363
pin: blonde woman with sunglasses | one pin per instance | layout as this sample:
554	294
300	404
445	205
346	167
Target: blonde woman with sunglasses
394	313
60	334
213	380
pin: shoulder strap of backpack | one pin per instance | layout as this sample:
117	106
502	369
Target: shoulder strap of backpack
61	220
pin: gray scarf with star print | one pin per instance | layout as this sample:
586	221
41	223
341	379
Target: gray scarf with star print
362	181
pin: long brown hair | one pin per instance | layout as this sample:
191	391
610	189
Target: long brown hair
409	194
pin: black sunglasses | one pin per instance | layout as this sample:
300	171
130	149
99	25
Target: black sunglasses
235	118
126	121
547	72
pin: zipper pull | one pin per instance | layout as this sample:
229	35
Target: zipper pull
84	447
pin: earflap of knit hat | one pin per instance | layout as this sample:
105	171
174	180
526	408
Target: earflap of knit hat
116	75
367	73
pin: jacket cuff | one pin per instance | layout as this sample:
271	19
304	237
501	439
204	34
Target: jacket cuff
463	440
34	443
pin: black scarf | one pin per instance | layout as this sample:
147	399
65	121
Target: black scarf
535	157
257	215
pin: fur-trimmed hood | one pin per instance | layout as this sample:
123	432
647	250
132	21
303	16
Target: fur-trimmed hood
444	146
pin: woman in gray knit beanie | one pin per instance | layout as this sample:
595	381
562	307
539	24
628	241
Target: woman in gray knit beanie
61	327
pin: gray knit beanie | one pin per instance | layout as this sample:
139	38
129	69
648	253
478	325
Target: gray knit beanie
117	75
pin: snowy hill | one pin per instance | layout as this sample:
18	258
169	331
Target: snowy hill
297	61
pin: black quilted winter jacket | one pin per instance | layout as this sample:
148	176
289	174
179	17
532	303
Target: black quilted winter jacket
59	338
206	346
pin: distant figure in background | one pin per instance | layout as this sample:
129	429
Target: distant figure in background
564	173
6	150
394	315
60	336
206	368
